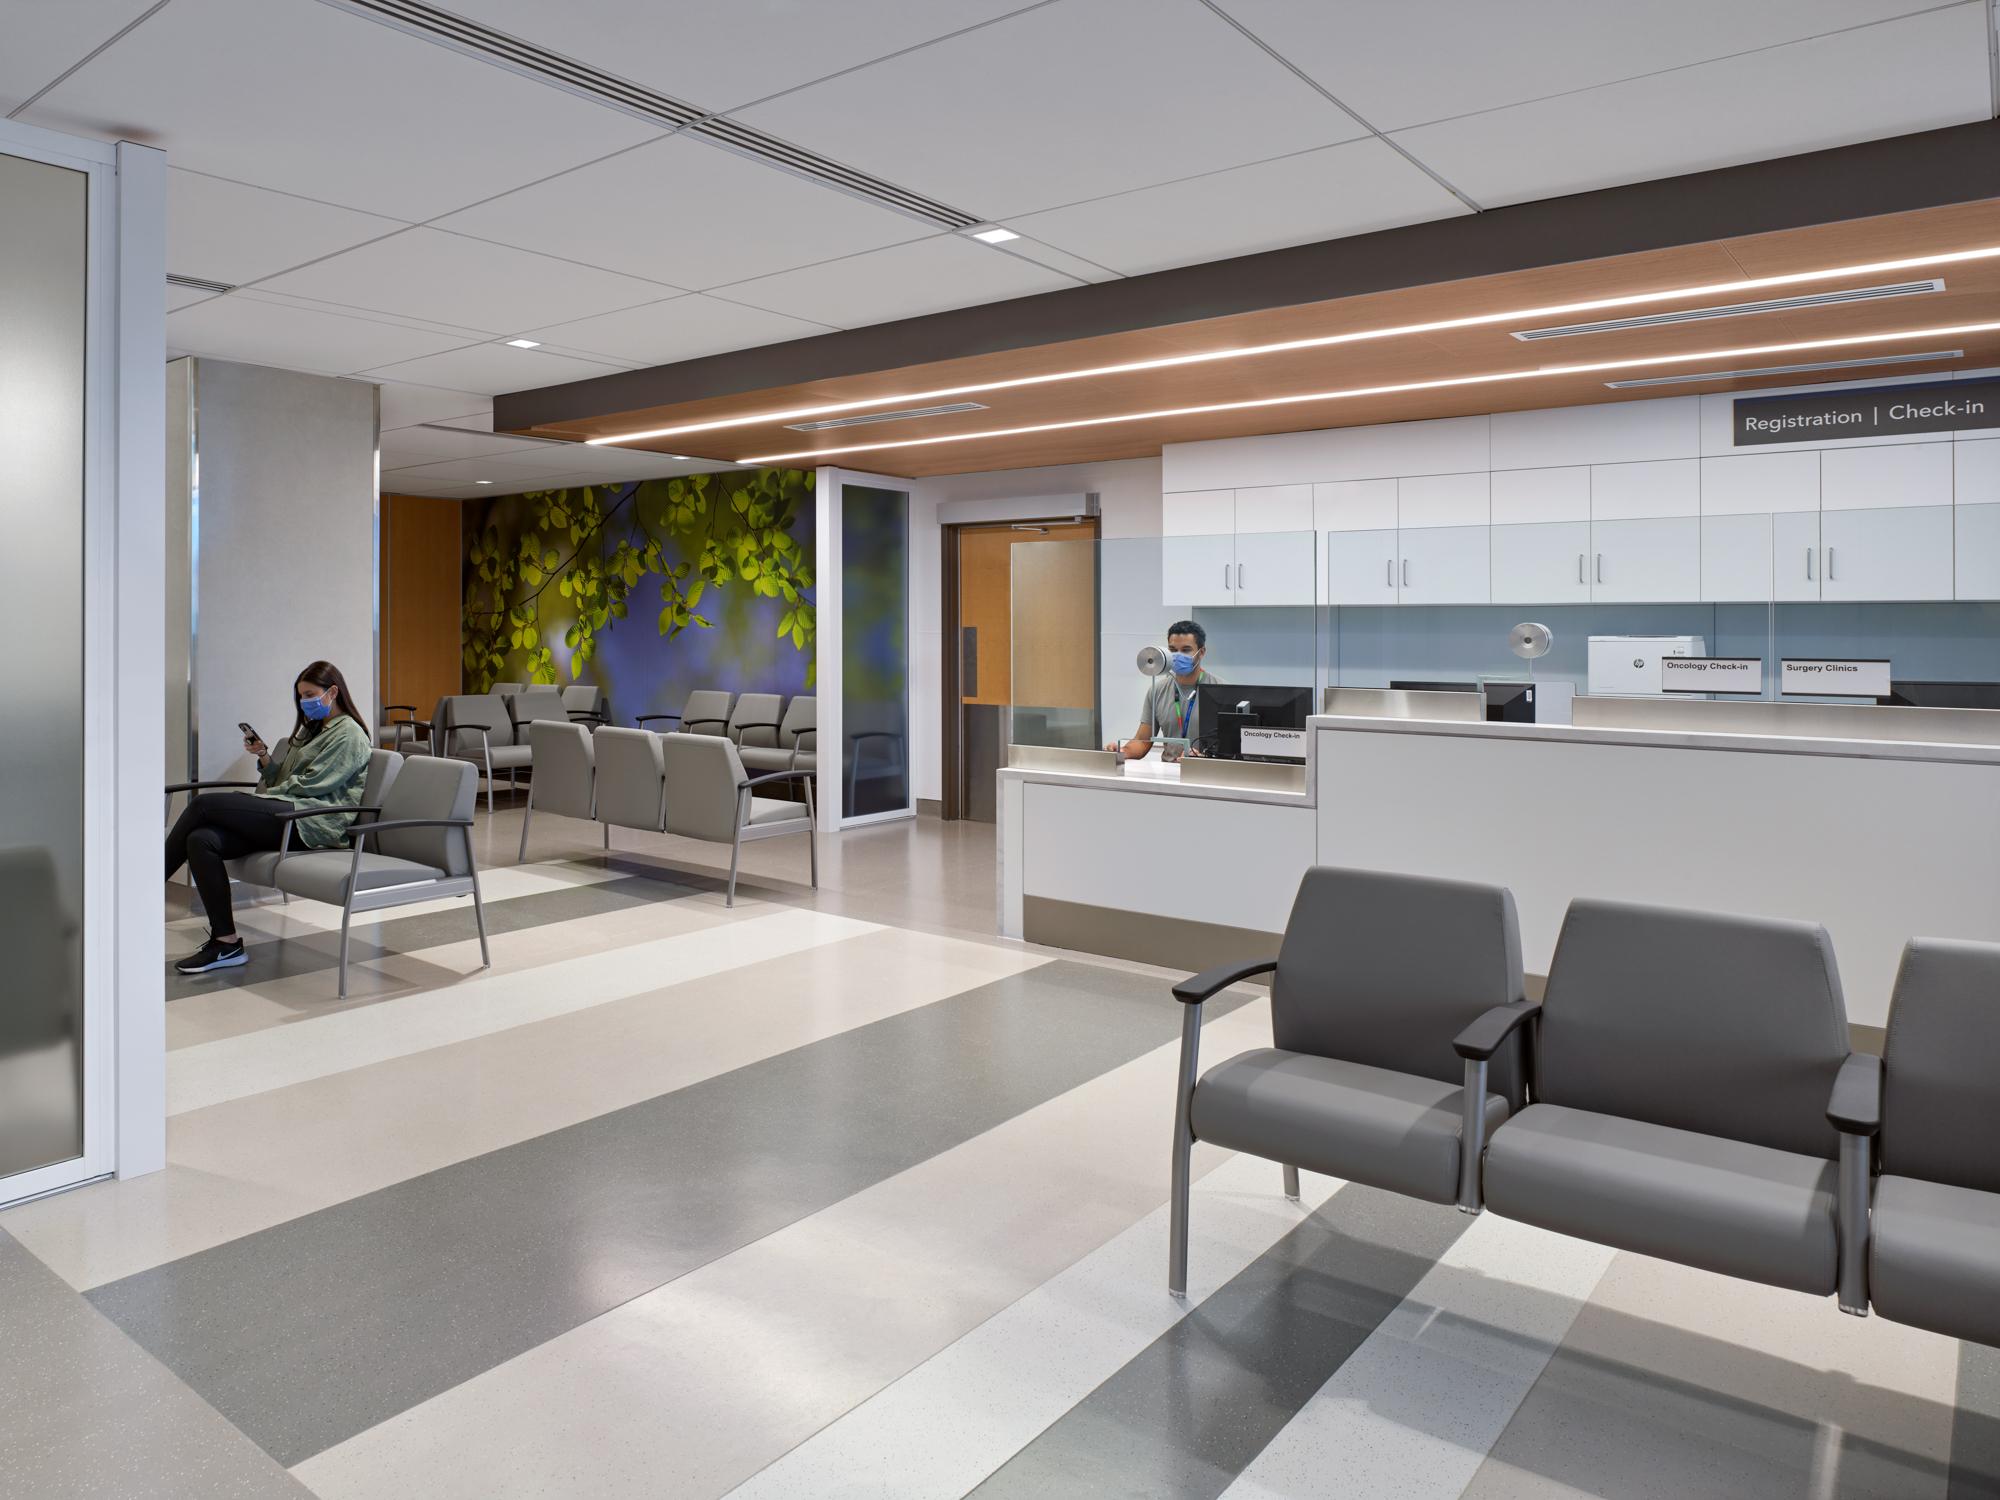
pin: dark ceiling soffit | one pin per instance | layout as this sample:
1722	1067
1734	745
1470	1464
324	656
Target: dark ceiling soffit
1958	164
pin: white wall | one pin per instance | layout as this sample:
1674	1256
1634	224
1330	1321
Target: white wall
287	547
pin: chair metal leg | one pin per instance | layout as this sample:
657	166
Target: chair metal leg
1177	1211
527	817
346	916
1472	1137
735	852
1292	1183
607	835
478	910
812	833
1851	1207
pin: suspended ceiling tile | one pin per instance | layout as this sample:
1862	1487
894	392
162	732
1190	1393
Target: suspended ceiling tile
405	405
227	231
689	214
720	56
473	283
319	101
1420	60
1063	103
1339	190
470	470
46	37
492	368
258	332
1910	75
405	447
179	297
904	281
681	328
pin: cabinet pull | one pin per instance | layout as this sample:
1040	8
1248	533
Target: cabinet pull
1579	569
1239	575
1406	572
1389	572
1830	574
1809	564
1600	567
1225	575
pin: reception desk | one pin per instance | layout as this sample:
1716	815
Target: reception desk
1880	824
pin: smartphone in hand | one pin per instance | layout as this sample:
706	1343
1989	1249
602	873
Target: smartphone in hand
252	741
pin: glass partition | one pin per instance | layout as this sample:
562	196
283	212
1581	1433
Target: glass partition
874	658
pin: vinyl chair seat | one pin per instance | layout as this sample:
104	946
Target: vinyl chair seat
322	874
1390	1130
1934	1261
768	810
505	757
1706	1201
761	758
256	869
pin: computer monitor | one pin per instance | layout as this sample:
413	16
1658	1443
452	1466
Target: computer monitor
1907	694
1401	686
1227	707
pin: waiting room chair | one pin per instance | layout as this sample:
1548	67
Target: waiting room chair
417	847
585	704
707	795
505	690
1934	1254
755	719
790	747
396	734
535	705
477	728
564	781
705	712
1376	976
260	868
631	780
1683	1066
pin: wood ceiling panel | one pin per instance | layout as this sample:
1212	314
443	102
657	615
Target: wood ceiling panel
1972	296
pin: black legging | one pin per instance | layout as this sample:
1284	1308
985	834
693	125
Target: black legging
220	826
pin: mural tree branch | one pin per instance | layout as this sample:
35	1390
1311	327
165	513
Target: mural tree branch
696	536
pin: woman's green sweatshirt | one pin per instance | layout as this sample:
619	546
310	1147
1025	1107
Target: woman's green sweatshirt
331	767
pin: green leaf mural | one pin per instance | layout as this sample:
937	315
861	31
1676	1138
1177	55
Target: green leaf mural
592	548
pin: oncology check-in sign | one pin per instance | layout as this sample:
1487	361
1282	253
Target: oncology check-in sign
1876	411
1712	674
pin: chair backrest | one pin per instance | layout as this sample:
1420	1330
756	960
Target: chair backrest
581	696
537	703
471	711
1387	969
706	712
703	774
754	721
564	768
429	787
505	690
1941	1066
1728	1025
383	768
801	723
629	774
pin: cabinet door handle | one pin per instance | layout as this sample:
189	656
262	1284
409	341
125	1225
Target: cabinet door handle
1389	572
1579	569
1225	575
1830	574
1406	572
1809	552
1239	575
1600	567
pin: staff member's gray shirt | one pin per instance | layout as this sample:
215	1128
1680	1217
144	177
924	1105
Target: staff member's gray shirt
1166	702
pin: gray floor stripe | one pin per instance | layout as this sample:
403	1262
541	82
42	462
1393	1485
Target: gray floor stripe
1975	1429
1180	1421
87	1413
272	958
310	1332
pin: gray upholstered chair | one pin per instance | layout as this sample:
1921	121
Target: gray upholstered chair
585	704
705	712
1934	1256
708	795
418	847
631	780
1683	1066
1376	975
477	728
790	748
397	734
564	781
505	690
258	868
541	701
755	719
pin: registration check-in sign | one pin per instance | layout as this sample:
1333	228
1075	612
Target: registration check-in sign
1820	677
1712	674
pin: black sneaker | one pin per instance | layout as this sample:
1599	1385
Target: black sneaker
213	955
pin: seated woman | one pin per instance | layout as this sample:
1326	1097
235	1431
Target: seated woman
326	764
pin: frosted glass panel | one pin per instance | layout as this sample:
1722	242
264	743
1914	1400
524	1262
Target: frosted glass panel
42	257
875	649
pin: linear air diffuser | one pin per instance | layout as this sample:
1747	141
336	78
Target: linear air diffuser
1735	310
1825	364
885	416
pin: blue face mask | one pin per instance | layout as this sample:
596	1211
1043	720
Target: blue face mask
315	709
1182	662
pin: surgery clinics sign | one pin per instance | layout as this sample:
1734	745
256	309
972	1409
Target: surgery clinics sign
1877	411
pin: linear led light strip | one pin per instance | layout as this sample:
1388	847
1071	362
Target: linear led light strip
1386	390
1248	351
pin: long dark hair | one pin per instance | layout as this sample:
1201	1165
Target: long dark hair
323	674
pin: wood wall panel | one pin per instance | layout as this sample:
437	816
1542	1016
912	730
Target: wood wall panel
422	583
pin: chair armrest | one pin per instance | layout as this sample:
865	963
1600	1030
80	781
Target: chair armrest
690	723
1856	1105
400	708
1479	1041
591	714
196	786
796	774
314	809
648	718
1197	988
759	725
393	824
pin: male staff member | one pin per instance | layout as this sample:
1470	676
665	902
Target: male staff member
1172	710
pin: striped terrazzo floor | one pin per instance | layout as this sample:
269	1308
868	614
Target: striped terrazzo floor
777	1202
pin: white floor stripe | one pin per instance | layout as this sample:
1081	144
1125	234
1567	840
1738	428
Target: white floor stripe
949	1423
238	1066
1416	1409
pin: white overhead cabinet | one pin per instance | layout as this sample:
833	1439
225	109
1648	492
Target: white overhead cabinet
1198	550
1238	547
1361	567
1444	565
1885	522
1736	559
1645	532
1976	519
1542	562
1759	527
1797	560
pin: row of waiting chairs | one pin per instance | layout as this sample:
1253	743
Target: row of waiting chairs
1684	1089
695	785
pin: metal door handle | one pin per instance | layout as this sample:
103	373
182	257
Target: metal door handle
1809	552
1225	575
1600	567
1406	572
1239	575
1389	572
1830	574
1580	578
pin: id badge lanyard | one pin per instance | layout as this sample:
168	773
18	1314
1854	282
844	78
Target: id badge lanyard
1187	712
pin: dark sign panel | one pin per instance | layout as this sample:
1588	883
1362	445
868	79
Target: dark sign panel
1876	411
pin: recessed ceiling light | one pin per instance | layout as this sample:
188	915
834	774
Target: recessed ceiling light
994	236
525	343
1400	388
1514	315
